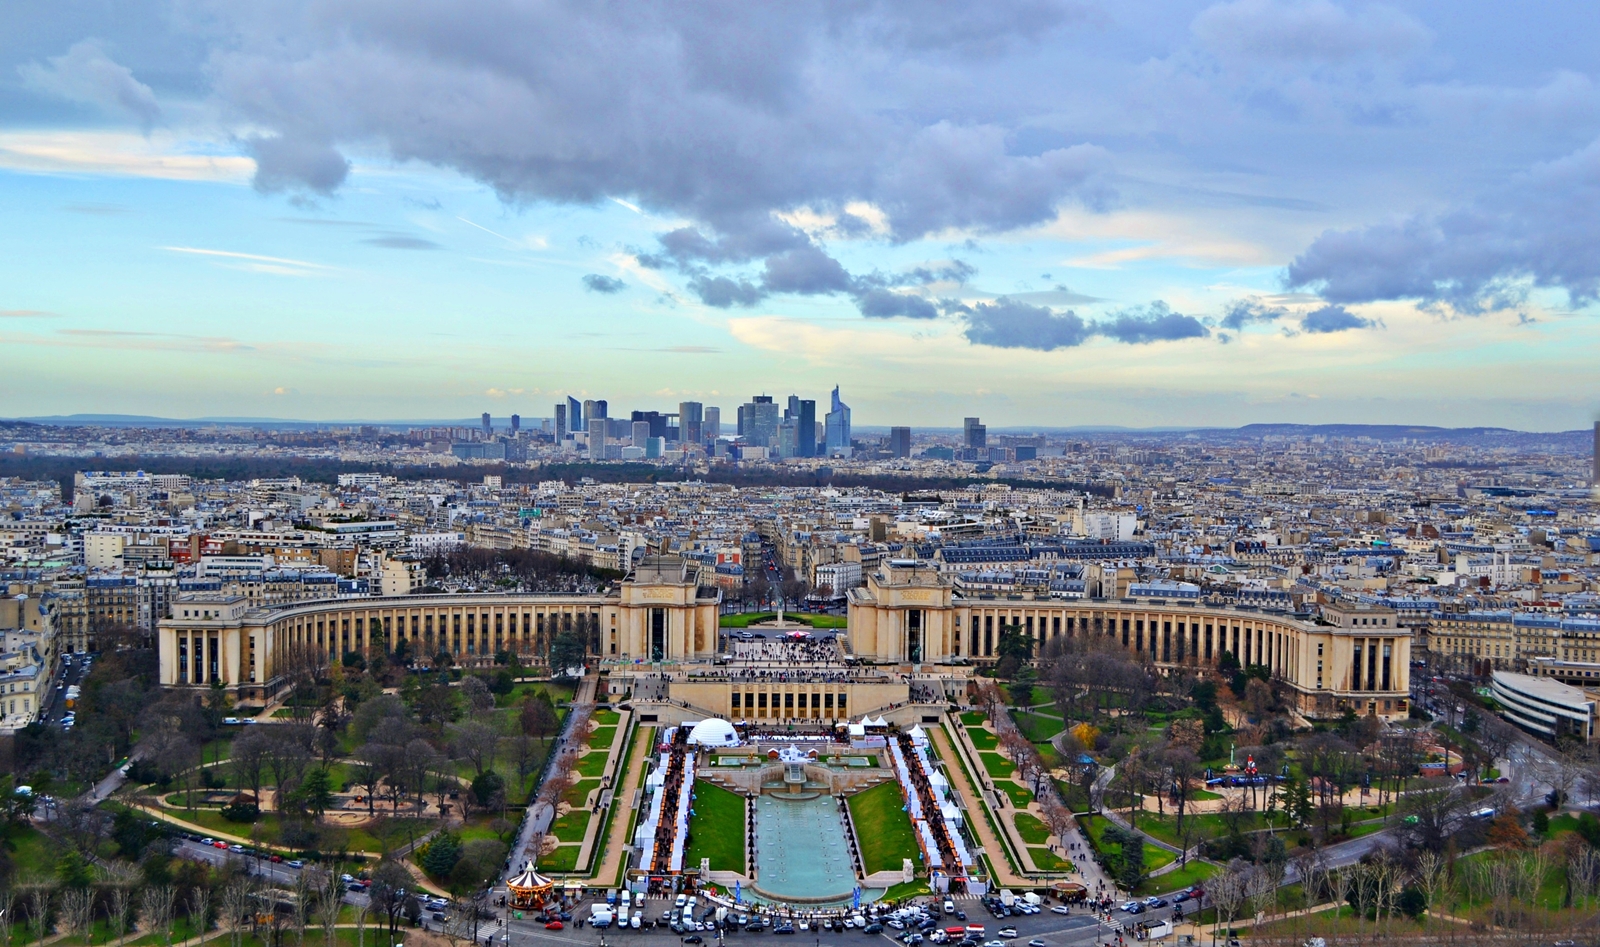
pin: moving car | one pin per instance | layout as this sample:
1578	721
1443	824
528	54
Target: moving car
554	926
1006	932
1060	909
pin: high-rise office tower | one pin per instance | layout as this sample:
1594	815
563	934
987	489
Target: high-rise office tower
838	425
597	439
516	424
690	420
788	438
806	442
488	426
561	423
641	432
758	421
575	419
900	441
656	420
711	424
974	434
594	408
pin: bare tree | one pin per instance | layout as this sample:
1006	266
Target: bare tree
39	911
8	914
123	879
1226	892
77	909
200	910
155	903
1431	874
304	891
330	898
238	900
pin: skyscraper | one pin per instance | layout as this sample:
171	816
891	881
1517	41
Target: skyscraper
974	434
711	424
593	409
900	442
690	419
488	425
758	421
516	424
561	423
838	425
806	444
575	419
641	432
788	438
597	439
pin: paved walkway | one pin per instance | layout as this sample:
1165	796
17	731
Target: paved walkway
1004	876
540	815
619	746
623	800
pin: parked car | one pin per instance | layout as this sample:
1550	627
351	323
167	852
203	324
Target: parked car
554	926
295	863
1006	932
1060	909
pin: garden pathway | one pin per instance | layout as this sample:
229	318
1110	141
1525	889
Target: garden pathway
623	800
1004	876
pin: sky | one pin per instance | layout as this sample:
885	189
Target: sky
1043	213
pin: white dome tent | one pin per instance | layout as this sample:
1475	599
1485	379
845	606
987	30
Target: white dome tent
714	732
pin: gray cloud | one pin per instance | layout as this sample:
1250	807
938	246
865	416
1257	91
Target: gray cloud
888	304
720	113
1243	312
1308	31
1535	230
805	270
286	163
608	285
724	292
1333	318
397	241
86	74
1008	324
1156	323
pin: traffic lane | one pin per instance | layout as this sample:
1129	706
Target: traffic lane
1054	929
275	872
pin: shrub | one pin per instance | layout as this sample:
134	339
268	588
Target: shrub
442	855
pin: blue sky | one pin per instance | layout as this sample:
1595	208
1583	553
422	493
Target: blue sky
1044	213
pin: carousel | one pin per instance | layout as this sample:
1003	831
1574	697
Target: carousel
529	889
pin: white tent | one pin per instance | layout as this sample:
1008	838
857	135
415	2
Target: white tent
714	732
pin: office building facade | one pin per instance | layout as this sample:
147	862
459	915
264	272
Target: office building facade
900	442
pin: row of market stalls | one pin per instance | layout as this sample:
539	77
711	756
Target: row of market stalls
664	833
935	816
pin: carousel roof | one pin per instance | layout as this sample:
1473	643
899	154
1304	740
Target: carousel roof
528	878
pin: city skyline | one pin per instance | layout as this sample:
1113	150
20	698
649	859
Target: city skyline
1241	212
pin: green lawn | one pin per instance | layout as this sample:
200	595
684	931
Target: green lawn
1154	855
602	737
562	858
572	826
815	621
883	828
997	766
1038	727
982	739
1019	795
577	795
1046	860
1208	825
1189	875
1032	830
716	831
592	765
34	853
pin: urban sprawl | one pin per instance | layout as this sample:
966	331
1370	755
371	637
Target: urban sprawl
687	679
